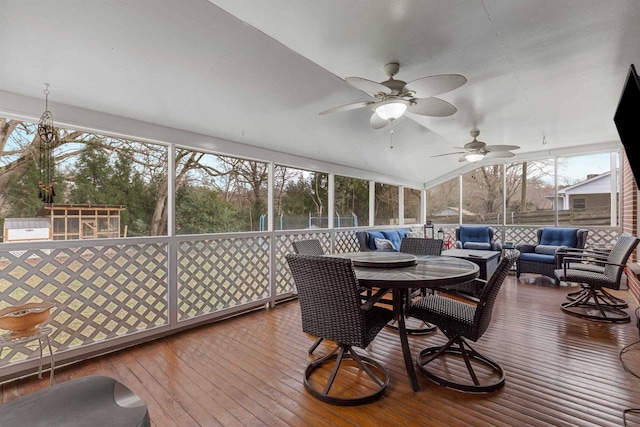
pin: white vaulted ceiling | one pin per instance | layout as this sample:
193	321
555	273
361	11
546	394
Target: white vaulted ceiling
259	72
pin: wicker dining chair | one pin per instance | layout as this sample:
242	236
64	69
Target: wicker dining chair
459	320
594	302
418	246
331	308
309	247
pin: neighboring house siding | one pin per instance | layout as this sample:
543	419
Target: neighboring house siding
591	201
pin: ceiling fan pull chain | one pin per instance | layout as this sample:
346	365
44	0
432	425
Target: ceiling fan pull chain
391	133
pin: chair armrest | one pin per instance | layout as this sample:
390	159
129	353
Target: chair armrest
373	299
526	247
568	260
585	255
496	246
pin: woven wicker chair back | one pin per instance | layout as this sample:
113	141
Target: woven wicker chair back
329	298
489	293
620	253
420	246
308	247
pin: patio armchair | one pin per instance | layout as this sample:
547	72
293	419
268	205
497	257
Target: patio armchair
594	302
545	256
331	308
476	237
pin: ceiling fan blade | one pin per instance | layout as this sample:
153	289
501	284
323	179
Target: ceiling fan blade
378	122
435	85
368	86
348	107
500	154
448	154
501	147
434	107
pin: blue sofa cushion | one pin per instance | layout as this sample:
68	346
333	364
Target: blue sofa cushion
559	237
474	234
481	246
534	257
395	236
372	236
547	249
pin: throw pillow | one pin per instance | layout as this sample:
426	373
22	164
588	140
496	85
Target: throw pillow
384	244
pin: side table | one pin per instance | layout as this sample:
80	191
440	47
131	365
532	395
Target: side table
42	334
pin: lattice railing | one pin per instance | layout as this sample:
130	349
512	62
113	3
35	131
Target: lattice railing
100	292
218	274
119	290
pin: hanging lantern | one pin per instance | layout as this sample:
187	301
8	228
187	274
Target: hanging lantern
47	135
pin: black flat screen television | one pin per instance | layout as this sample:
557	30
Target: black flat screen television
627	120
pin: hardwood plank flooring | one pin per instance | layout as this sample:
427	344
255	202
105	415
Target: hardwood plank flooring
247	371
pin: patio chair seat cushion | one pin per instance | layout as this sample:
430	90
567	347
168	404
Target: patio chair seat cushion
547	249
86	401
536	257
479	246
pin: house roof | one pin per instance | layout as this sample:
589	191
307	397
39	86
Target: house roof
596	184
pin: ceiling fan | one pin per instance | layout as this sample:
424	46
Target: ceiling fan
394	97
475	150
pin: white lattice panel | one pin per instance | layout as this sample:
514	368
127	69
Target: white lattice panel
100	292
218	274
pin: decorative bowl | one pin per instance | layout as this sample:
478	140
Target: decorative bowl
21	321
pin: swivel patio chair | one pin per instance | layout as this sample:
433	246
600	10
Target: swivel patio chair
331	308
591	260
309	247
419	246
594	302
545	256
459	320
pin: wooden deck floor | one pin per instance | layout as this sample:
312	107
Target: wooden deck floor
247	371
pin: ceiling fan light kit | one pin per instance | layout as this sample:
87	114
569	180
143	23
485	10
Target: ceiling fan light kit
473	157
391	109
392	98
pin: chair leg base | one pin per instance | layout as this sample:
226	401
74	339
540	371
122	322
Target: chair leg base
593	312
374	378
314	345
610	300
491	369
593	306
424	329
